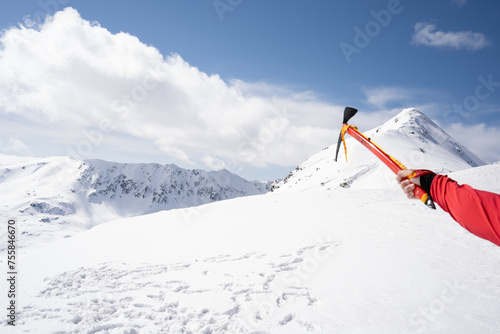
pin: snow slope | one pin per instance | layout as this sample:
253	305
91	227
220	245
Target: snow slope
317	261
58	197
411	137
306	258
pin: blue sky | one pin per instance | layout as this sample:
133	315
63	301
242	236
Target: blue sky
252	86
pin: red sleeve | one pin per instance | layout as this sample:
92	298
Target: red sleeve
477	211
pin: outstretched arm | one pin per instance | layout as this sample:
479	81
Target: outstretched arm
477	211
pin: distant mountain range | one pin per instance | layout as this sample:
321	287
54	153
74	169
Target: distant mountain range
47	195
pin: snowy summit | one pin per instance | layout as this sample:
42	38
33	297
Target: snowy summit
411	137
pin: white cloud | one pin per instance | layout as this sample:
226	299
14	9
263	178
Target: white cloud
382	96
426	34
15	146
459	3
96	87
389	101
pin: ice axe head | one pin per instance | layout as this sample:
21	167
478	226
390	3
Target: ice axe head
348	114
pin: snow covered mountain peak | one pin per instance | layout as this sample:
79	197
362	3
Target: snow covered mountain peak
411	137
410	121
407	121
420	129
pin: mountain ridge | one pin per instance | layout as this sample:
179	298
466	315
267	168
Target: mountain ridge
411	137
48	195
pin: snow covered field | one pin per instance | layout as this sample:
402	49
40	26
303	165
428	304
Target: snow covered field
317	257
357	261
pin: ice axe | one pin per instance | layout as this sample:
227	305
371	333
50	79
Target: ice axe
391	162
